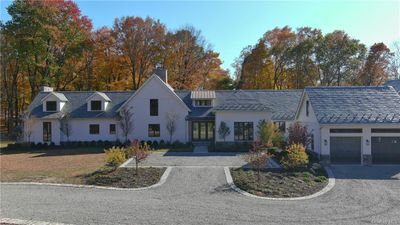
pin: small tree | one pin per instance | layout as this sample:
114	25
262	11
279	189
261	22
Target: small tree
137	151
296	157
171	117
125	122
298	134
65	125
223	130
257	158
28	123
269	134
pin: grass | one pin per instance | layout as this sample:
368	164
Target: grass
280	184
125	177
51	165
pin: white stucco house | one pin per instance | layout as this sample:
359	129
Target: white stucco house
349	125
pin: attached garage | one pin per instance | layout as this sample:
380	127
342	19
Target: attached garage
385	150
345	150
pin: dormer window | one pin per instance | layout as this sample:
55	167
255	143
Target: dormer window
98	101
95	105
51	106
203	103
202	98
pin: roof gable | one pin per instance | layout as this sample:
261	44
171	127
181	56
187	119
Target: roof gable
98	94
155	78
60	96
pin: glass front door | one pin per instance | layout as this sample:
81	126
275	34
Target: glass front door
202	131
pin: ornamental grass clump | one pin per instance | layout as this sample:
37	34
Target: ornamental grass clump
295	158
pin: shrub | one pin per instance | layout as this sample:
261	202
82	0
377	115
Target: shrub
52	144
115	156
45	145
107	144
269	134
162	144
100	143
298	134
93	143
149	143
177	144
296	157
39	145
155	144
273	150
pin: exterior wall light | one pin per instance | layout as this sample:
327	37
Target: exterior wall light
367	142
325	142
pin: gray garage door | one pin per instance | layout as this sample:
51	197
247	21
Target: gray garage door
385	150
345	150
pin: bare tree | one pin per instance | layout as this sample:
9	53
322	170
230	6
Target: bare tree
137	151
65	125
125	122
395	62
171	117
28	123
223	130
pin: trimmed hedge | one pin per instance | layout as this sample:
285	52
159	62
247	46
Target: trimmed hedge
229	147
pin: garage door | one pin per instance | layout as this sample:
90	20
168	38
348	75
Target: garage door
385	150
345	150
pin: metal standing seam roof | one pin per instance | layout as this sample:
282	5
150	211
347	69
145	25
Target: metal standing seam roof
351	105
202	95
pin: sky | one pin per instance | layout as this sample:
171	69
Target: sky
231	26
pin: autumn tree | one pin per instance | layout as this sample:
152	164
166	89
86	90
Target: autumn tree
141	43
138	152
257	158
339	58
375	69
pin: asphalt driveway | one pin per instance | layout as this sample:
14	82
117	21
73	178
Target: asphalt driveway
200	195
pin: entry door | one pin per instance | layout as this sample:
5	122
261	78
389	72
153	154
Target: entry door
202	131
46	131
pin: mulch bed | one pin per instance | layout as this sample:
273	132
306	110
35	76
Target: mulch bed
125	177
280	183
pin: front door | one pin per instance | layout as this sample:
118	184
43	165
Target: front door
46	132
202	131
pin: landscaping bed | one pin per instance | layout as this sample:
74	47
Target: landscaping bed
280	183
125	177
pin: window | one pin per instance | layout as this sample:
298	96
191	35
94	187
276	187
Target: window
154	130
345	130
281	125
153	107
243	131
51	106
94	129
46	131
389	130
202	102
112	128
95	105
312	141
307	108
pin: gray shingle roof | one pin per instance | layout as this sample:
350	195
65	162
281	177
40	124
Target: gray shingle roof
394	83
350	105
281	103
76	105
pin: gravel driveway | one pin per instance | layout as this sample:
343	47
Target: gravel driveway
362	195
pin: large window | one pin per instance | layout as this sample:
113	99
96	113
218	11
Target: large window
202	103
385	130
51	106
46	131
112	128
94	129
281	125
154	130
243	131
153	107
346	130
307	108
95	105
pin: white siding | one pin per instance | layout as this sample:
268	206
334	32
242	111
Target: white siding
36	127
168	102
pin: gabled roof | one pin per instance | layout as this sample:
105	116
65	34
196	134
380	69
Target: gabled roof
58	95
101	94
394	83
76	105
348	105
202	95
154	76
